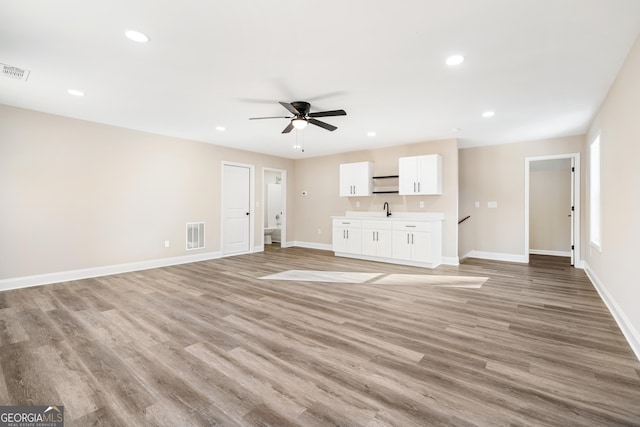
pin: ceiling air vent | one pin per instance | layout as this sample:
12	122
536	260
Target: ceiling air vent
15	72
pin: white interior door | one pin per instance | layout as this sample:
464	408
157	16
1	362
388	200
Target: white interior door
236	209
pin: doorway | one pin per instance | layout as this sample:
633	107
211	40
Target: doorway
274	202
552	206
237	210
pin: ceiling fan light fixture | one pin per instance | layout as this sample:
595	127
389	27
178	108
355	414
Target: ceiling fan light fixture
299	123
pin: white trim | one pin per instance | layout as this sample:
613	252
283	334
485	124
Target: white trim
627	328
450	260
496	256
283	176
576	201
551	253
86	273
311	245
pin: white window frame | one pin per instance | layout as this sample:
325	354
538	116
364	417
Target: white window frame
595	193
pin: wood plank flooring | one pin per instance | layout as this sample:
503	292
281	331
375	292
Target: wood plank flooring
210	344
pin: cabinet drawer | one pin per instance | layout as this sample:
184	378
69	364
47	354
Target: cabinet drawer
347	223
412	226
379	224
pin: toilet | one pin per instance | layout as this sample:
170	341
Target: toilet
267	235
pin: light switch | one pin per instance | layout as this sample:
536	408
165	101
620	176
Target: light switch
492	205
477	204
166	243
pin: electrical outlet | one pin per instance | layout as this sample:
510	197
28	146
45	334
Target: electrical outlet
167	243
492	205
421	204
476	204
357	204
319	231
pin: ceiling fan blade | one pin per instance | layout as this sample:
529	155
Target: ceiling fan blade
288	128
324	125
291	108
275	117
328	113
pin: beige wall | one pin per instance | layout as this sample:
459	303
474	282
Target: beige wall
549	207
496	174
75	194
616	267
319	177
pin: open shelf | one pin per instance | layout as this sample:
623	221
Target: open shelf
390	191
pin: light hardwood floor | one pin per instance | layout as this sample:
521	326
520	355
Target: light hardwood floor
210	344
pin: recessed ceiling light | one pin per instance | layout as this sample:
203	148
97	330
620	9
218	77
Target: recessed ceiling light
488	114
455	60
220	128
137	36
75	92
371	134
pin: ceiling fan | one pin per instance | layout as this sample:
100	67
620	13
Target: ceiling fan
301	116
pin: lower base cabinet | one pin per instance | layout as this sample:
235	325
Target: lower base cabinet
412	242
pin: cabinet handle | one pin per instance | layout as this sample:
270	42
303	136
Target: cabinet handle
346	223
377	236
347	234
407	238
410	226
373	235
412	238
418	187
414	187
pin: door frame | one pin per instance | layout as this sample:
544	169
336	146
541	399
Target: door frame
575	191
251	205
283	228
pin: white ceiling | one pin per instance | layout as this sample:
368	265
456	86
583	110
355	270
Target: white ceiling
544	67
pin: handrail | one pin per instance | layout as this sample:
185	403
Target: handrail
464	219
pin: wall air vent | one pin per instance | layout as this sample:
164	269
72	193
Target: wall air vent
195	235
15	73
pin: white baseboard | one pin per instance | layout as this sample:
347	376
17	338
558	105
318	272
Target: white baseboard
86	273
628	330
551	253
495	256
311	245
447	260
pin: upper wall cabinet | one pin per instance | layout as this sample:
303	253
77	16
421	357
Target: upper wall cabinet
420	175
356	179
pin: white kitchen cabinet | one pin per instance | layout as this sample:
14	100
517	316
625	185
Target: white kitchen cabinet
376	238
412	242
347	236
356	179
409	238
420	175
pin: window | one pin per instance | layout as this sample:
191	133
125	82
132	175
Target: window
595	222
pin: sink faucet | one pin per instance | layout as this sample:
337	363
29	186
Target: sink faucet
386	208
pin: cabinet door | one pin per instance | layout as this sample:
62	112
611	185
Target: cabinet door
384	244
369	242
339	239
421	246
362	178
354	240
402	245
346	180
429	174
408	179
